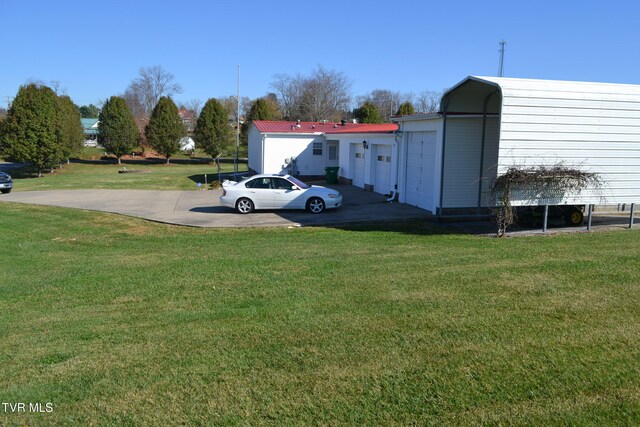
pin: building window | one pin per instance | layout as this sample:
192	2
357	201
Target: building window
358	155
317	148
381	158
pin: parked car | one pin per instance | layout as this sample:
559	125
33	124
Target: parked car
6	184
277	192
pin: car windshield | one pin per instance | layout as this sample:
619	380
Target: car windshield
299	183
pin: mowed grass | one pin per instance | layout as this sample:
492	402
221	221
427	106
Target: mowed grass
118	321
102	175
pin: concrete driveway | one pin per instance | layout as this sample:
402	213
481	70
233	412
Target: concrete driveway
202	208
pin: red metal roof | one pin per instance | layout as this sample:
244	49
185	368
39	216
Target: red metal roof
265	126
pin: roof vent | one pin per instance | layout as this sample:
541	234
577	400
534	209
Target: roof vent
335	126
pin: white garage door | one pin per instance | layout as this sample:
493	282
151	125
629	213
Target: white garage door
357	156
382	183
421	156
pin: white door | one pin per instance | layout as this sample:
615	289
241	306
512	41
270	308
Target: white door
357	157
421	156
382	183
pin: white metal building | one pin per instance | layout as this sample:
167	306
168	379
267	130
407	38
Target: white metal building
363	152
447	161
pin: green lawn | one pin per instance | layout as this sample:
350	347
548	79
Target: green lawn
102	175
118	321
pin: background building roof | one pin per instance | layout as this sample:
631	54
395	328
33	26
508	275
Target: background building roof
265	126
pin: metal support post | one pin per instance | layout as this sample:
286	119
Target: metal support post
633	205
589	216
546	217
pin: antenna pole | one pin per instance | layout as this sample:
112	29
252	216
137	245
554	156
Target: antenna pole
235	164
501	65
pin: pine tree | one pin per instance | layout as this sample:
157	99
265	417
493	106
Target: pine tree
117	131
72	131
405	109
213	133
32	131
261	109
165	128
367	113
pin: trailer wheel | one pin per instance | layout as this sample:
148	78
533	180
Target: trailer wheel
574	218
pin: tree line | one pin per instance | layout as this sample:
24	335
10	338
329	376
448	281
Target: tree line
44	128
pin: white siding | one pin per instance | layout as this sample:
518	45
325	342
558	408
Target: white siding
278	147
255	150
592	126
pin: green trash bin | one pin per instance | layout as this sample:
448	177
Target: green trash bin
332	174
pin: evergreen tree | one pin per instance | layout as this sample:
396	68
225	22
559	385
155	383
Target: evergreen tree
89	111
213	133
405	109
117	131
367	113
265	108
165	128
72	134
32	131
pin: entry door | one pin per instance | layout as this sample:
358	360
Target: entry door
332	153
382	183
357	153
421	152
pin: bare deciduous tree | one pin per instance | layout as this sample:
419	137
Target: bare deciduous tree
428	101
230	105
386	101
151	84
325	94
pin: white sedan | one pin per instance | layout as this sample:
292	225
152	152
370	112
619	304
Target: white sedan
277	192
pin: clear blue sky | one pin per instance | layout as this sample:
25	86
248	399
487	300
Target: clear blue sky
95	48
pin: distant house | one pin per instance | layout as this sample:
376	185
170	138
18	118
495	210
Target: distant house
363	152
188	119
90	127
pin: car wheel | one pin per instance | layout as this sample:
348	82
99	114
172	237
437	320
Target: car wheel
315	205
574	218
244	206
6	191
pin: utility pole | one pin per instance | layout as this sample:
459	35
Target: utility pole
501	65
235	164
